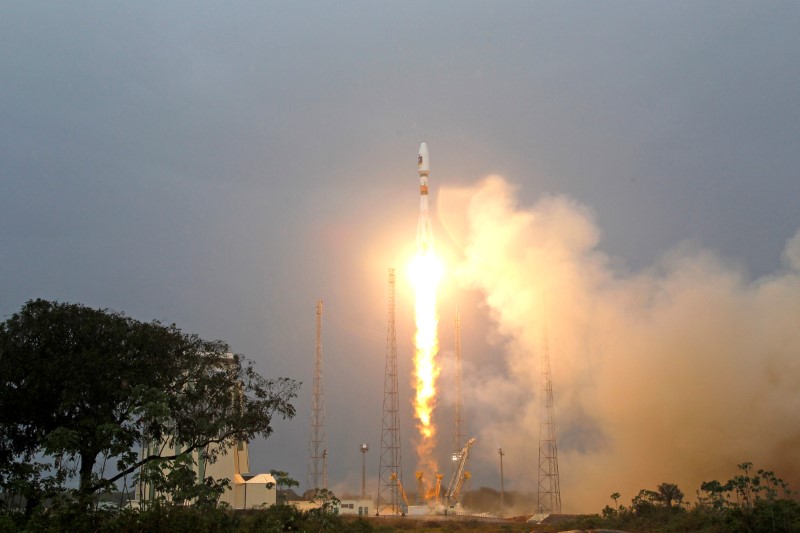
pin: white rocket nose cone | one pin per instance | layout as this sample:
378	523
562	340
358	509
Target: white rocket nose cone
423	161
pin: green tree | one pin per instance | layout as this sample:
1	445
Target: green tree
282	479
80	384
615	497
713	495
668	493
743	484
645	502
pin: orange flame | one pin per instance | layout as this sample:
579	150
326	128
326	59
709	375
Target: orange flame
425	272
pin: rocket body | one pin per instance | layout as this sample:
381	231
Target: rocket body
424	228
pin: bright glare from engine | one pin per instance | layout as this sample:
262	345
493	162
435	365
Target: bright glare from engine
425	272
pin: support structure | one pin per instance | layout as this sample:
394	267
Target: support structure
458	433
364	448
502	483
549	493
316	475
390	474
455	488
421	496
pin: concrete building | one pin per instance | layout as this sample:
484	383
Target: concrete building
246	491
357	507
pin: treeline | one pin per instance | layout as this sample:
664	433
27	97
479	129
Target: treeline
752	501
177	519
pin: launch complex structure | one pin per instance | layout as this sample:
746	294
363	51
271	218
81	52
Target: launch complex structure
391	496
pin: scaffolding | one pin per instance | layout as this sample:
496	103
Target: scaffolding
391	499
549	493
317	453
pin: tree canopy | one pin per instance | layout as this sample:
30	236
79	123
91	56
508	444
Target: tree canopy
79	384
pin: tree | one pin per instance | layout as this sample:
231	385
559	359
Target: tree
282	479
714	494
645	502
78	384
615	497
329	503
668	493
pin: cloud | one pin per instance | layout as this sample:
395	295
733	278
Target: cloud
674	373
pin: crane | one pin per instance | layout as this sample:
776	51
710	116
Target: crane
420	488
402	491
438	490
454	494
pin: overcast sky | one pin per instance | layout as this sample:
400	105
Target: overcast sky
223	165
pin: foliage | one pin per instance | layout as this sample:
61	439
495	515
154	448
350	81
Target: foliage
177	479
180	519
669	493
748	502
82	387
330	503
282	479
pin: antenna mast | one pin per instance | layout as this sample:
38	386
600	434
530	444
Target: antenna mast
317	453
390	475
549	494
459	433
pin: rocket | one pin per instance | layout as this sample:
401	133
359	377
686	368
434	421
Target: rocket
424	229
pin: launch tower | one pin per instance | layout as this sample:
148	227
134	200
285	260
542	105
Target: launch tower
549	494
317	453
390	472
458	432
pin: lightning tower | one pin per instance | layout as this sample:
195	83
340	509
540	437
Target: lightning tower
458	433
390	476
549	494
317	453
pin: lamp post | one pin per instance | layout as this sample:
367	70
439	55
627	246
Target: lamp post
325	468
502	488
364	450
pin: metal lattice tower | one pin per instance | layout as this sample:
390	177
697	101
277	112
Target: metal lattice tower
390	477
317	453
549	494
458	431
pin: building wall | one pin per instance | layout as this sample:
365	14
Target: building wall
357	507
234	465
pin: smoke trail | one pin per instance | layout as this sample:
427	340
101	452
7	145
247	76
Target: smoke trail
675	373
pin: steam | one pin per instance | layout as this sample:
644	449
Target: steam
673	374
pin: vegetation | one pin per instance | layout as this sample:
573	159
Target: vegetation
81	389
180	519
750	501
284	483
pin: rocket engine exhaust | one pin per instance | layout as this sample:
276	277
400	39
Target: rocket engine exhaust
426	271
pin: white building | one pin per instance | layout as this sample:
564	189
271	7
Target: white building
246	491
357	507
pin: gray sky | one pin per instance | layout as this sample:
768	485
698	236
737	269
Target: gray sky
223	165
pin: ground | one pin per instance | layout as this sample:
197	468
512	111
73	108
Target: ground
440	524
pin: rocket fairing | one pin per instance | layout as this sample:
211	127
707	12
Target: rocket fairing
423	161
424	229
423	167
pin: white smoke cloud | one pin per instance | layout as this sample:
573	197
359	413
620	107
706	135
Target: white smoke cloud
675	373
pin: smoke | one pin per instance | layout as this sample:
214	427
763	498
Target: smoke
675	373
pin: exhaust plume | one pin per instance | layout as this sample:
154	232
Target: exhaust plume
675	373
